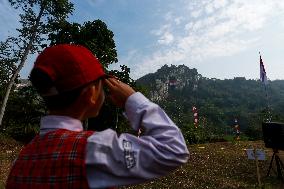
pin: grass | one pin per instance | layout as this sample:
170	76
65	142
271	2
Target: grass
232	138
222	165
219	165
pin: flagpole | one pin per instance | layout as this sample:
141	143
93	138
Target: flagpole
268	105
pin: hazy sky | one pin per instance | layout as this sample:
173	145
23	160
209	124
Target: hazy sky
220	38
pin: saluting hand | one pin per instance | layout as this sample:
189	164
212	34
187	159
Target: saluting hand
119	91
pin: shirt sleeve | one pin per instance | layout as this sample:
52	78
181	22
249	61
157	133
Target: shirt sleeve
113	160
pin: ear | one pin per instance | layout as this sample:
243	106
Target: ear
92	94
95	92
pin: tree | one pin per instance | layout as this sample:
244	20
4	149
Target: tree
7	65
93	35
37	18
23	113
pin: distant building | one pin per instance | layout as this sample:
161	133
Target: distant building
21	84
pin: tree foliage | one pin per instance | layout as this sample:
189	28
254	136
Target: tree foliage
23	114
37	20
7	63
93	35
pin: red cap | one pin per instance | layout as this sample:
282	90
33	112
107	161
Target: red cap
69	66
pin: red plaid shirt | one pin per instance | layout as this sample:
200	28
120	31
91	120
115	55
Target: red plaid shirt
54	160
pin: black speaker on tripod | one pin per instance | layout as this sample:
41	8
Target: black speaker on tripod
273	136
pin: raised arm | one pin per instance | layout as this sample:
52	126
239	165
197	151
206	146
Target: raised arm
126	159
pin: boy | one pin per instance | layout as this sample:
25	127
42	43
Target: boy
70	80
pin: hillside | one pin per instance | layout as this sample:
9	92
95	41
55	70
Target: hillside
219	102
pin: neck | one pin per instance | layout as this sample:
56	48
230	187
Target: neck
74	114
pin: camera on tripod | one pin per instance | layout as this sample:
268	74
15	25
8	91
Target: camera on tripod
273	136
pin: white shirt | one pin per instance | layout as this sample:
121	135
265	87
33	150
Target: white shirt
113	160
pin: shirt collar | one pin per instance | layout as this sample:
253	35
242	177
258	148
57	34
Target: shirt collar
53	122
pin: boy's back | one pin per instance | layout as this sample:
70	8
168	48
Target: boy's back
65	156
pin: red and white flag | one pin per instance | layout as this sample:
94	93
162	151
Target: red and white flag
195	116
263	77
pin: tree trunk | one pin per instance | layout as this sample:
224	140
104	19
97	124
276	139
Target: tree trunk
17	71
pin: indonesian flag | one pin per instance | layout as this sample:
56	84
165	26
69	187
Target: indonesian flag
263	77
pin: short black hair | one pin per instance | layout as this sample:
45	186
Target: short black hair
42	83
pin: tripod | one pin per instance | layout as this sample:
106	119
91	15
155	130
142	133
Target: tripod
279	164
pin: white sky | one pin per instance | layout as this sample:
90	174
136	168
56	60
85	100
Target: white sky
220	38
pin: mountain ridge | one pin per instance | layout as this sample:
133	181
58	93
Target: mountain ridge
178	88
